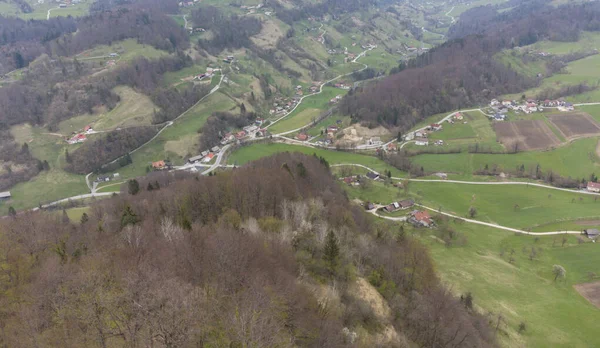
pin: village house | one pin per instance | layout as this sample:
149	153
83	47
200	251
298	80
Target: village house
195	158
435	127
373	176
442	176
227	138
240	135
376	141
591	233
159	165
420	219
208	157
593	186
494	102
204	153
421	141
79	138
302	137
407	203
88	129
215	149
458	116
103	179
392	207
370	206
391	147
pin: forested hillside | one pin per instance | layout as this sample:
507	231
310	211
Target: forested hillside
272	254
463	72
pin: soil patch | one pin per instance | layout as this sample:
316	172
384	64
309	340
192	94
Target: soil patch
575	125
591	292
525	135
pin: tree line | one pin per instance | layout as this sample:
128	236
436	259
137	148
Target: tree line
198	261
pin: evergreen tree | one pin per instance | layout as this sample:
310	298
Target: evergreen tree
133	187
65	217
129	217
331	251
243	109
150	187
12	211
84	218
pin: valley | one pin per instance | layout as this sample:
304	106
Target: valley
498	159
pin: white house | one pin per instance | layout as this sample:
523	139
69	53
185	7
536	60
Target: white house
421	141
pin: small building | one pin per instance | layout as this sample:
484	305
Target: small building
302	137
421	219
369	206
435	126
593	186
392	207
421	141
591	233
239	135
407	203
195	158
392	147
4	196
373	176
208	157
159	165
215	149
442	176
204	153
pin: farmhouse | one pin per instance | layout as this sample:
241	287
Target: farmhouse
442	176
372	176
407	203
239	135
392	207
593	186
392	147
591	233
208	157
215	149
302	137
435	126
195	158
5	195
370	206
458	116
420	219
79	138
159	165
421	141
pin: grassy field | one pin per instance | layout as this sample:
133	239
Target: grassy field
134	109
524	290
577	159
497	204
478	129
308	109
176	137
253	152
127	50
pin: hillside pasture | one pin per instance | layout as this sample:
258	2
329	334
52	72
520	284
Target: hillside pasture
526	135
590	291
575	125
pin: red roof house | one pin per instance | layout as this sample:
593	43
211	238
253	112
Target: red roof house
593	186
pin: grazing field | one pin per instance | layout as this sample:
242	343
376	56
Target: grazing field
517	206
591	292
301	117
127	50
495	267
253	152
575	125
577	159
134	109
526	135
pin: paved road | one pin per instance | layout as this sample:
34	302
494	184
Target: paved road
218	161
50	10
451	17
522	183
75	198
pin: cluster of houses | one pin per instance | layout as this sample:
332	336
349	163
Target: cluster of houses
255	8
187	3
342	85
80	137
251	131
336	99
205	156
529	106
402	205
282	105
421	136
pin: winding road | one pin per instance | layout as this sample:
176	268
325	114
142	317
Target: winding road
451	17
